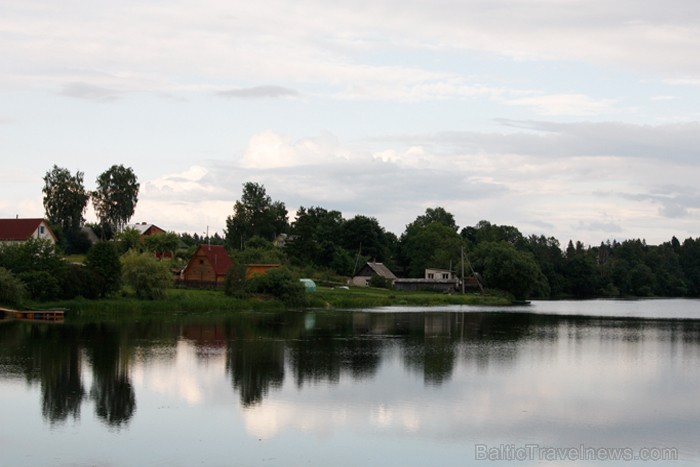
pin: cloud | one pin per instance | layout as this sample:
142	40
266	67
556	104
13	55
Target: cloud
564	104
258	92
89	92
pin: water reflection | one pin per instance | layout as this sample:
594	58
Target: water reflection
493	376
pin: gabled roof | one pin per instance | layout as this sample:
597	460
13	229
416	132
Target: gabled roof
381	270
218	258
142	227
19	230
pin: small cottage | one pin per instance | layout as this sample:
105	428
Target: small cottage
207	267
145	229
371	269
20	230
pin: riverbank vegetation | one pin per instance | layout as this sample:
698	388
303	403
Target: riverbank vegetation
127	270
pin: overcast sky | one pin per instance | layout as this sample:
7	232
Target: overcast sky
577	119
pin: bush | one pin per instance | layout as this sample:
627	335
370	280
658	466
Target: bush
281	284
41	285
12	290
379	282
234	285
103	261
146	275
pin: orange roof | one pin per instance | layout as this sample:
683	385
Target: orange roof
218	258
19	230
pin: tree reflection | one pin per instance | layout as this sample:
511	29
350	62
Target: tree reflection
255	366
112	391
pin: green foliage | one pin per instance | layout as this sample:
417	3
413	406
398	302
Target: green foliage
162	243
148	277
116	196
12	290
38	265
234	284
379	282
65	198
259	251
80	282
255	215
439	215
504	267
128	239
364	234
429	246
103	262
281	284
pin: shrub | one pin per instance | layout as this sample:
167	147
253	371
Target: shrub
12	289
234	285
146	275
281	284
103	261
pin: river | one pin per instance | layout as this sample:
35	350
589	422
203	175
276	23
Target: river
554	383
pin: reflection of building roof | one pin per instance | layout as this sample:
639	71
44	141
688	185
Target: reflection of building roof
19	230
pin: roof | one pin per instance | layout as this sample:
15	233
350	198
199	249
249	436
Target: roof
381	270
218	258
142	227
20	229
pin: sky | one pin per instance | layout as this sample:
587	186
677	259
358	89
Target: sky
577	119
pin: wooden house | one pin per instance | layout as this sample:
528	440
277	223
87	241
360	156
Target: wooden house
20	230
371	269
207	267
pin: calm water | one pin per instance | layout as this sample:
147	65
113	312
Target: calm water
445	386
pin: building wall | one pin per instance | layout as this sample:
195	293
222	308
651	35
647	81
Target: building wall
199	269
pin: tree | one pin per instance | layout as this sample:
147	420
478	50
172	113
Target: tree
128	239
364	234
439	215
12	290
146	275
116	196
255	214
37	265
103	260
435	245
161	243
504	267
65	198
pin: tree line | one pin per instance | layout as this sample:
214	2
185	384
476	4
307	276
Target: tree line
322	243
527	266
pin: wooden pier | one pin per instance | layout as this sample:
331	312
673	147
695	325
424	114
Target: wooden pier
33	315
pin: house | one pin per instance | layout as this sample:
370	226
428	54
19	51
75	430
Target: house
442	280
20	230
252	270
372	269
145	229
207	267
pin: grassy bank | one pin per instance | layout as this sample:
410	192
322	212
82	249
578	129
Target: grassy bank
186	301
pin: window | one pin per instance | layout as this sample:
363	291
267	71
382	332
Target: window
41	230
445	275
201	261
431	275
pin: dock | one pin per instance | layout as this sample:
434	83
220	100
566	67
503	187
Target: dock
33	315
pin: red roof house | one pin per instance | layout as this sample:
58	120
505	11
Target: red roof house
21	230
208	266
